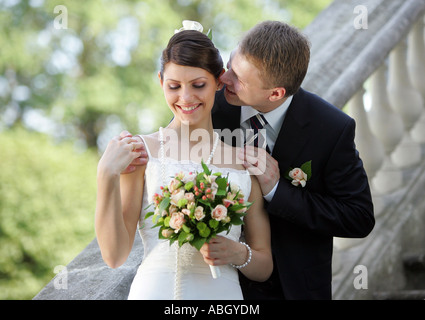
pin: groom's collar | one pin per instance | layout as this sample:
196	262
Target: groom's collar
274	118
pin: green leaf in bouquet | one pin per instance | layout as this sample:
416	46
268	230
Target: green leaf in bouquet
213	224
205	202
220	192
185	228
172	240
189	237
167	221
199	178
151	204
155	219
182	238
157	222
222	186
205	167
149	214
164	204
236	220
198	242
182	202
201	226
189	185
204	231
160	236
236	207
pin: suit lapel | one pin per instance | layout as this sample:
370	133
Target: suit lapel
293	135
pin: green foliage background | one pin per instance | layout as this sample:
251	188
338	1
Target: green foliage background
65	92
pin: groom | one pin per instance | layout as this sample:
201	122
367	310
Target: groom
264	76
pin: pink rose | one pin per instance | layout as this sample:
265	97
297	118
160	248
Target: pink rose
219	213
174	185
190	197
167	233
298	177
199	213
176	221
176	196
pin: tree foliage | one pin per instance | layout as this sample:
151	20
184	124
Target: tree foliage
47	200
102	61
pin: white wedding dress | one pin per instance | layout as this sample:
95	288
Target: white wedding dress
169	272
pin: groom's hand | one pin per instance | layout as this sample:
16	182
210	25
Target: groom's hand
141	160
260	163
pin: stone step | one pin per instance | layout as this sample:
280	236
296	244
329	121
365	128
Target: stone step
400	295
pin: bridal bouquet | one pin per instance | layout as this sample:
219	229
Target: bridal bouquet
196	207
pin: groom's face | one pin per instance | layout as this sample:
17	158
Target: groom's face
243	83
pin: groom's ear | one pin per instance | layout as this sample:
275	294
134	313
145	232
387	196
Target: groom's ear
277	94
219	83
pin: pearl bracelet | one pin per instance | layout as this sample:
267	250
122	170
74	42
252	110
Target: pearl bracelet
247	261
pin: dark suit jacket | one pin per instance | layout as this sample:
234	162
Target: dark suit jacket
335	202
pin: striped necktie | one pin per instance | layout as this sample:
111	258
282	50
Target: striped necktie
257	123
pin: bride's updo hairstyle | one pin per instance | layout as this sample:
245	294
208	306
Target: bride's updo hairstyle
193	49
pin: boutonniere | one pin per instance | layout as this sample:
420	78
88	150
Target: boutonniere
299	176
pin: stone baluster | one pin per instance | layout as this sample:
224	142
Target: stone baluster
371	152
407	102
370	148
416	67
388	127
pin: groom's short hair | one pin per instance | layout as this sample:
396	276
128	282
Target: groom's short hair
280	52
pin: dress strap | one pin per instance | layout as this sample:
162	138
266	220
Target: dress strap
146	145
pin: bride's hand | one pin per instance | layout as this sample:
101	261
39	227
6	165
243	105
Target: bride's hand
221	250
119	153
141	160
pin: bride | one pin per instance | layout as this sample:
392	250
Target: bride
189	76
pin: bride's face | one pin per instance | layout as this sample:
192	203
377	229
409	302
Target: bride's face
189	92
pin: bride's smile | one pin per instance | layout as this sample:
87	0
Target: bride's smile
187	109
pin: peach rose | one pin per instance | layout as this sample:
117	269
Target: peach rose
174	185
167	233
219	213
189	196
199	213
176	196
298	177
177	221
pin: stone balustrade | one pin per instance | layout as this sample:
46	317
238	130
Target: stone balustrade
377	75
368	58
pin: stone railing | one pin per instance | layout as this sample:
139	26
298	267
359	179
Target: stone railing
368	59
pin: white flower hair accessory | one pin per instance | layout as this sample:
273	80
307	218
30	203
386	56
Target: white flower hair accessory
193	25
190	25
